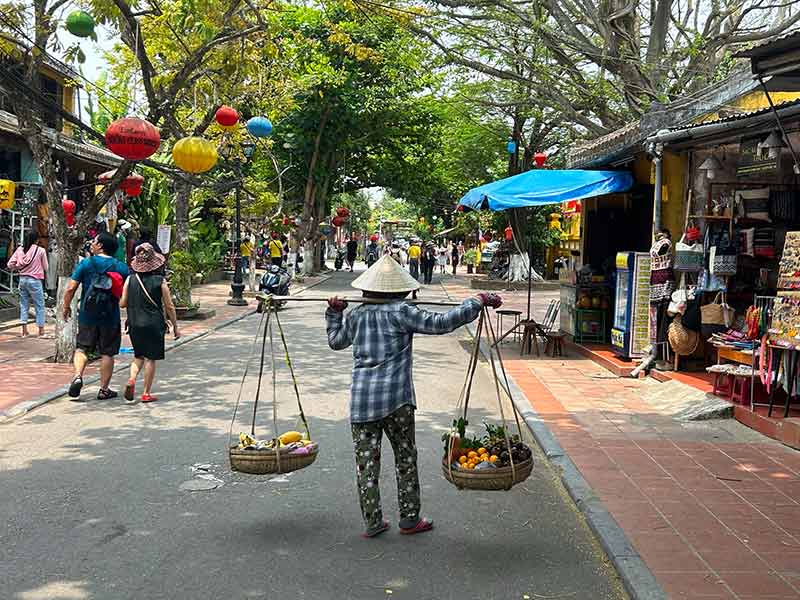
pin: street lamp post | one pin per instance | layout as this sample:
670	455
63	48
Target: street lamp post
237	285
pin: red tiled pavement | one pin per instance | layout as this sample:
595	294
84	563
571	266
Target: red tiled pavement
714	513
27	373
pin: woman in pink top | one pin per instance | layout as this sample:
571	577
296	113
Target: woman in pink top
30	260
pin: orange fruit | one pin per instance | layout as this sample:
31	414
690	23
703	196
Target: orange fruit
462	460
470	465
481	451
484	456
493	458
472	454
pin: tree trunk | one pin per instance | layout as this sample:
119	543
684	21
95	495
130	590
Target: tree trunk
183	192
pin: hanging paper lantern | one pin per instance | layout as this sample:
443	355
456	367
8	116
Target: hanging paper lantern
509	233
511	146
69	210
342	212
194	154
298	221
325	230
132	138
460	208
539	158
259	127
373	237
337	221
227	117
80	24
132	185
8	190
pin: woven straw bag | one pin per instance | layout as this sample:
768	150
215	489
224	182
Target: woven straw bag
682	341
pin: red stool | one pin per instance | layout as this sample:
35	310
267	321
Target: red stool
741	389
723	382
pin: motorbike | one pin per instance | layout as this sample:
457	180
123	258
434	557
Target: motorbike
338	262
276	283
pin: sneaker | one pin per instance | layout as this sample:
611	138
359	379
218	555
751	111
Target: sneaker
106	394
75	387
130	388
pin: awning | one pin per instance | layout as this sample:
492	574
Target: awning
545	186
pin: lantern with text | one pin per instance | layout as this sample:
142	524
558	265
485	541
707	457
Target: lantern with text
80	24
337	221
8	190
539	158
226	117
259	127
132	138
194	154
69	211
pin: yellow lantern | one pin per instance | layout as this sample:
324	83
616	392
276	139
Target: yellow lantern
555	222
7	191
194	154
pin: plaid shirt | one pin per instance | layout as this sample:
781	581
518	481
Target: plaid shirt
381	336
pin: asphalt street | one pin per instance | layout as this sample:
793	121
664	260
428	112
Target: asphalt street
97	497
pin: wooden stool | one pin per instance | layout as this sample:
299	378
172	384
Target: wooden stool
515	315
529	333
555	342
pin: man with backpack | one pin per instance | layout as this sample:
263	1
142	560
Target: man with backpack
101	278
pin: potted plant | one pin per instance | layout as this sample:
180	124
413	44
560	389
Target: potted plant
469	258
182	268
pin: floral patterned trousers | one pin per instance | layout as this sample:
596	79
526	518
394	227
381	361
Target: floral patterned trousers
399	428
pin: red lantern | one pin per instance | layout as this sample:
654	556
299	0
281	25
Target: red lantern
342	212
460	208
132	138
69	210
539	158
227	117
373	237
337	221
285	221
131	185
509	233
487	235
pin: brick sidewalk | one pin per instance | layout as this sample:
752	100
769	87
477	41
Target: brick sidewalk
712	507
28	373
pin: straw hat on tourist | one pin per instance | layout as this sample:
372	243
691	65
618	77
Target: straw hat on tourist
386	276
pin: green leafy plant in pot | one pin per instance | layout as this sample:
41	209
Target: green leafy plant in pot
181	270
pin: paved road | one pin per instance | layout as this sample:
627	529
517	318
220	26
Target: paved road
93	506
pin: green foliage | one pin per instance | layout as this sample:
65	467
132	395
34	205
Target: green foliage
182	268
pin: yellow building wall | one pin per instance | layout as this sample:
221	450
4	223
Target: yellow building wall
751	101
68	95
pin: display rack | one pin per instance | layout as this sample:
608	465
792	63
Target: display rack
20	224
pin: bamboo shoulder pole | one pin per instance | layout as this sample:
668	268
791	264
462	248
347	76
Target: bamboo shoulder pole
358	300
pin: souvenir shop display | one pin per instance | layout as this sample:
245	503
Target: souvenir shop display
789	266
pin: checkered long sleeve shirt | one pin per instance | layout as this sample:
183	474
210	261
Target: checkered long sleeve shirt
382	336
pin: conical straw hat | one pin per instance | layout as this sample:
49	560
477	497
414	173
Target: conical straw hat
386	276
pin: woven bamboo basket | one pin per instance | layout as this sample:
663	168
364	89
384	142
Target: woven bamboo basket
265	462
502	478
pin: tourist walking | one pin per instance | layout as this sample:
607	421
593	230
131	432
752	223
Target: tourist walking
30	261
147	297
427	261
373	252
352	251
441	259
101	278
414	252
276	250
382	396
454	257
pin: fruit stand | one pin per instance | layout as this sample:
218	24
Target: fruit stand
584	310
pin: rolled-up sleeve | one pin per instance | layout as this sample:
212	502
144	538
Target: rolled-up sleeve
417	320
339	336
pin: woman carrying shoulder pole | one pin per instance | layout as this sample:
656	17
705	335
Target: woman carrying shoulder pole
147	297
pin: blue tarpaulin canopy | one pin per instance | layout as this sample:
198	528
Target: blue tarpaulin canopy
545	186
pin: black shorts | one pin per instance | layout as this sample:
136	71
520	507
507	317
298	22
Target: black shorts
100	339
277	260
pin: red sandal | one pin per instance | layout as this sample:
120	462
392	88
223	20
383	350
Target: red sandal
421	526
148	398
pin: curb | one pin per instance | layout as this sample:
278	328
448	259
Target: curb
638	580
21	409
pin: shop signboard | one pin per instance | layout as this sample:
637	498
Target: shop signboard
753	159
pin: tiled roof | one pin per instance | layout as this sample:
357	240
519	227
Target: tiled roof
741	115
606	144
794	36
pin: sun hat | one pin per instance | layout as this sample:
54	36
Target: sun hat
682	340
386	276
147	259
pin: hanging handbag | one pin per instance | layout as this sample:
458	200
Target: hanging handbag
688	257
679	298
682	341
714	317
722	260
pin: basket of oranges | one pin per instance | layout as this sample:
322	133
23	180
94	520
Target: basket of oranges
493	462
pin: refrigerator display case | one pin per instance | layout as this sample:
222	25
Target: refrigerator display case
630	334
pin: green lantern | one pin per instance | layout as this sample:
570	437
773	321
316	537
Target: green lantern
80	24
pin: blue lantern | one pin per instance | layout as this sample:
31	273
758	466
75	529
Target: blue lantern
511	146
259	127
